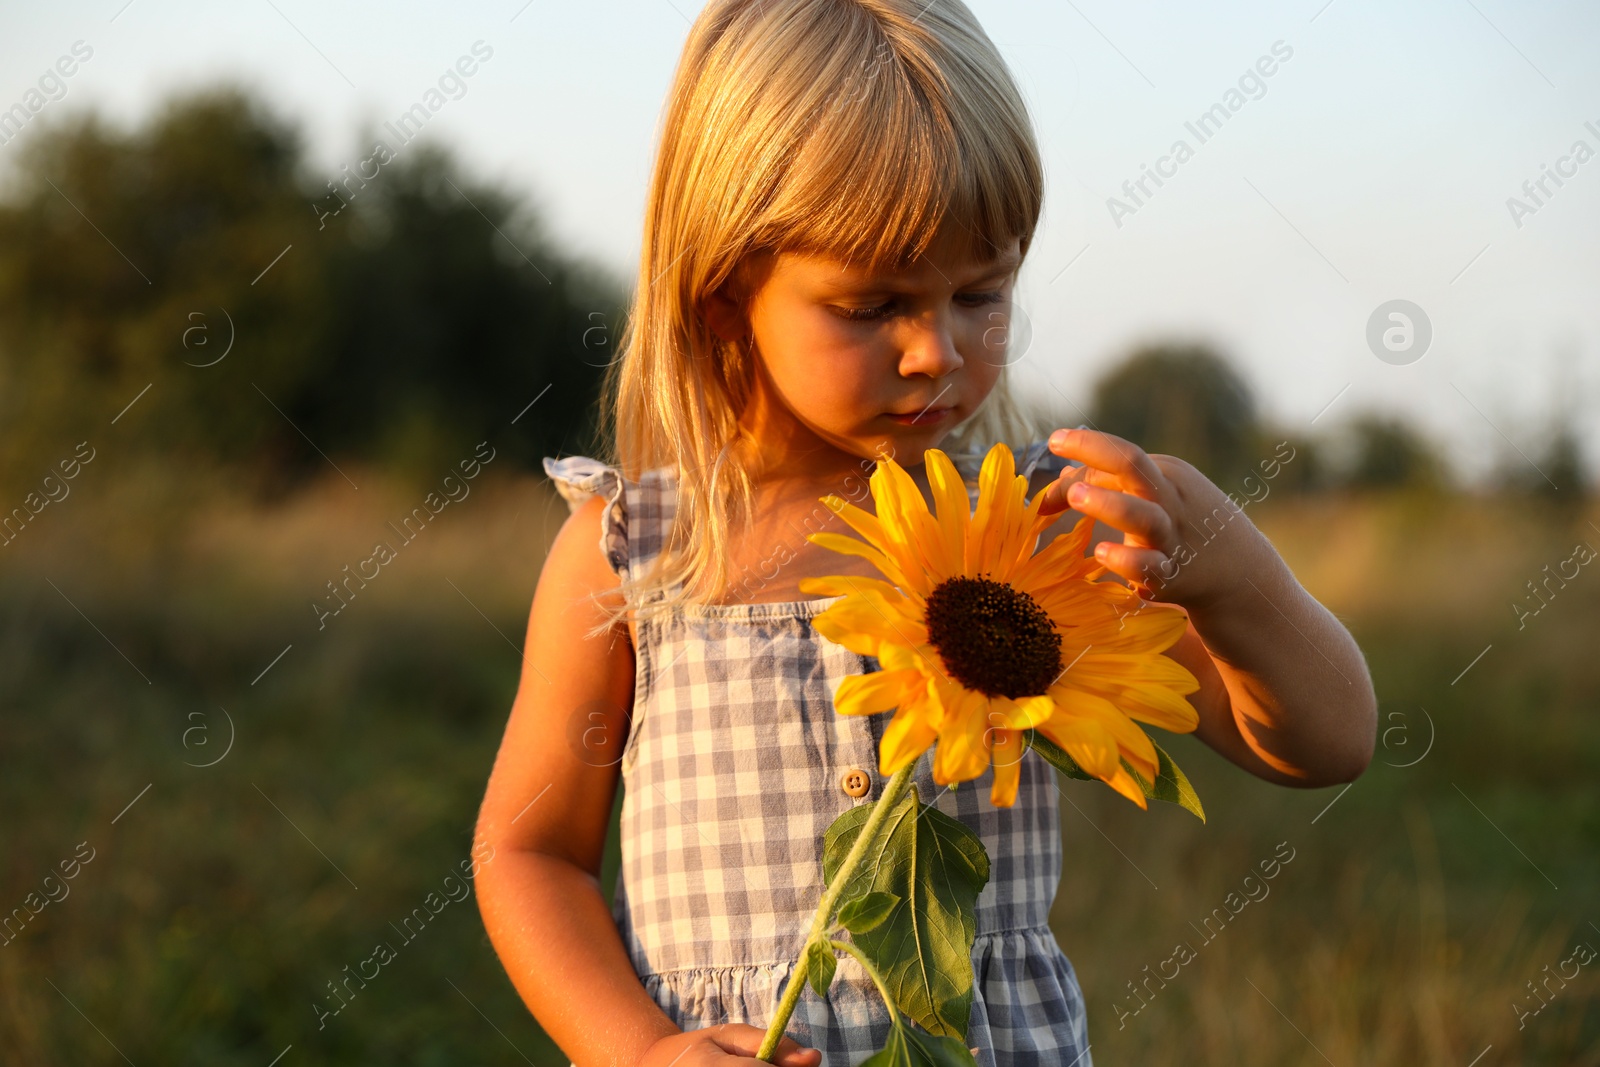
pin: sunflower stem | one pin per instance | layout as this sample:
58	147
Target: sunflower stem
872	972
823	922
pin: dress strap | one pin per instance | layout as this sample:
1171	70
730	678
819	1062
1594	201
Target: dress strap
638	514
1037	456
1034	456
577	478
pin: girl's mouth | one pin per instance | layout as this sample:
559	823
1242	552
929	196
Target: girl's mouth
926	417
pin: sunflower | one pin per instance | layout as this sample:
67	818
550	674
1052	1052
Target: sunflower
979	638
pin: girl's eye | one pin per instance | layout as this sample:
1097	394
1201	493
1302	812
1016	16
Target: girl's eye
979	299
863	314
859	314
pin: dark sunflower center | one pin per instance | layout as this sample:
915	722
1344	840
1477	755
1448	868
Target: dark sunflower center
993	638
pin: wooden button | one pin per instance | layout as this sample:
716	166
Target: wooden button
856	782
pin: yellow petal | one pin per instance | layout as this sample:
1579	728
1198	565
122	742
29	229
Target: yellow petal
1086	741
997	472
1155	629
1094	668
890	543
953	506
1008	752
1062	558
906	522
844	584
1077	604
869	526
875	691
963	750
863	622
850	546
1123	783
1135	745
1157	706
909	733
999	504
1014	541
1025	538
901	614
1042	522
1021	713
921	658
1142	754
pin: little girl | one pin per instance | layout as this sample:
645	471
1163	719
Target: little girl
843	194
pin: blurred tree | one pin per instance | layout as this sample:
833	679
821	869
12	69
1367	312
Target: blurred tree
196	256
1562	459
1306	471
454	315
1555	475
1381	452
1186	401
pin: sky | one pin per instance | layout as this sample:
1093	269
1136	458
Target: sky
1376	163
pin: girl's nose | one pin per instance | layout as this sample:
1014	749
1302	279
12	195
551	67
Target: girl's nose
929	348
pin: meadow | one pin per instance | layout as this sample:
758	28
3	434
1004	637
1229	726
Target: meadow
266	799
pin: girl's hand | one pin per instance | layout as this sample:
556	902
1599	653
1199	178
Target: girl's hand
1284	690
722	1046
1183	538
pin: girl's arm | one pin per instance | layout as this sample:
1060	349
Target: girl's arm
545	816
1284	690
547	809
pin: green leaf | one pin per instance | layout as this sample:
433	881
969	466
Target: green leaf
819	971
863	913
935	868
912	1048
1171	784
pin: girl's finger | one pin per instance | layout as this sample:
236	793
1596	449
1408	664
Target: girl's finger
1055	494
1144	519
1145	569
1098	477
742	1039
795	1056
1126	460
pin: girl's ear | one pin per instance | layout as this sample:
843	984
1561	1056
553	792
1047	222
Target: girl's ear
724	314
726	309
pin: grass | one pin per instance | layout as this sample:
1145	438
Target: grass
219	906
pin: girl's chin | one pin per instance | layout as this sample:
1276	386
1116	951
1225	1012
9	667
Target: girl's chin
904	445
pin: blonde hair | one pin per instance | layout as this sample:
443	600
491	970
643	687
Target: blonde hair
847	128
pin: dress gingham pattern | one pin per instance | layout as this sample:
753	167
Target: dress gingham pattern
733	769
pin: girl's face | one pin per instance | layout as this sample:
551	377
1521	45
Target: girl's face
862	363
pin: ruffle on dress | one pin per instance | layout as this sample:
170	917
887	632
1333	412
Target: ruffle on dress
1027	1007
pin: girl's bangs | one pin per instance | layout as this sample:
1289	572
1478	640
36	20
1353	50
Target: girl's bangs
873	181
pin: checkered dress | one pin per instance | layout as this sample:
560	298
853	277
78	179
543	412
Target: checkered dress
733	769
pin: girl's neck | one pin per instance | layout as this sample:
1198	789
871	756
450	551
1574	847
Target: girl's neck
778	449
